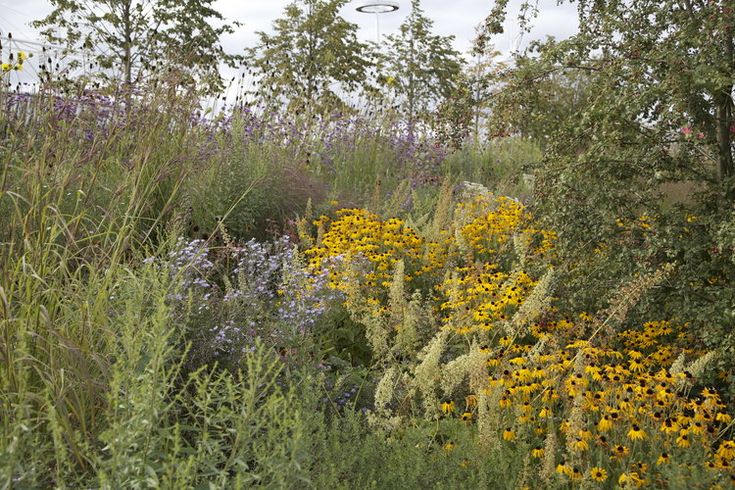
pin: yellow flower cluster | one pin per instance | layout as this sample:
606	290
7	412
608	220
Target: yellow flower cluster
626	409
622	406
489	231
359	234
476	301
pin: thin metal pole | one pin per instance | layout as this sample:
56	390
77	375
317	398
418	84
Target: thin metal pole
377	27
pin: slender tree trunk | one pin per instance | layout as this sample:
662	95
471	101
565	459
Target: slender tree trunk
128	40
724	137
724	103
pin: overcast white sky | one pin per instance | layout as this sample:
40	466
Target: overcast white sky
456	17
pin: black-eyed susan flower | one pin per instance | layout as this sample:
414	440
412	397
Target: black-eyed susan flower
467	416
683	440
670	426
636	433
605	423
598	474
537	452
564	469
580	445
509	434
631	479
620	451
447	407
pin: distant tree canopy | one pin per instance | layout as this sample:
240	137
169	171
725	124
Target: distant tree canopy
138	37
651	70
312	56
419	68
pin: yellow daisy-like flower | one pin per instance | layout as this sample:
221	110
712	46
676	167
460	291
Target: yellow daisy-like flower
636	433
631	479
580	445
448	447
683	439
509	434
605	423
663	459
669	426
471	401
598	474
723	417
467	416
6	67
620	451
448	407
726	450
564	469
537	452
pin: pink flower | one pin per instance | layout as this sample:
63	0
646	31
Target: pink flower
686	131
700	136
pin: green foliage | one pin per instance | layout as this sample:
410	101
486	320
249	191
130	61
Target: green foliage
133	40
419	68
635	116
312	50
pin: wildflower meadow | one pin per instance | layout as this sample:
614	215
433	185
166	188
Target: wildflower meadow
433	288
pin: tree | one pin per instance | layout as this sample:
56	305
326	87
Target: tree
133	36
418	67
311	58
642	174
666	65
540	107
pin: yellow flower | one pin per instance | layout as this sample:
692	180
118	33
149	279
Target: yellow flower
670	426
683	439
663	459
726	451
448	407
580	445
621	451
630	479
6	67
605	424
448	447
537	452
598	474
564	469
471	401
508	434
467	416
636	433
22	56
18	67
